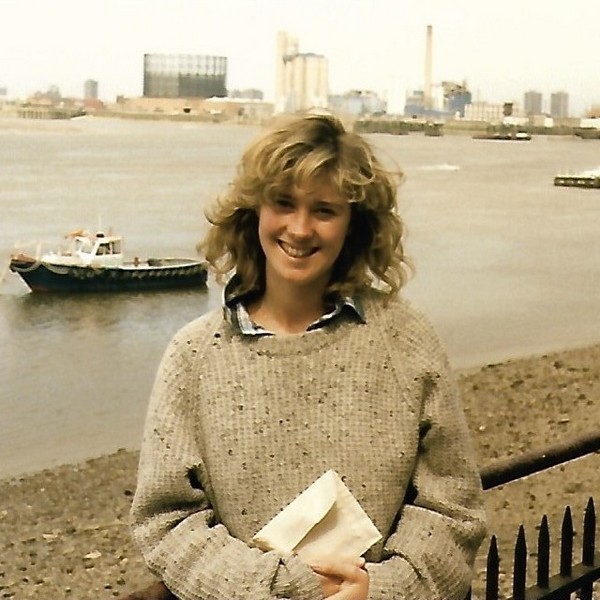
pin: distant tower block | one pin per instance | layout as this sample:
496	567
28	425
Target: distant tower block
427	87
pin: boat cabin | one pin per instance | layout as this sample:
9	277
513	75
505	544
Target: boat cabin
87	250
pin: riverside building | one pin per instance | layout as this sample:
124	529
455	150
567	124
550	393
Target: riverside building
559	104
532	103
301	78
184	76
90	89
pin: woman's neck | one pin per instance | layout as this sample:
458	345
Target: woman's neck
287	313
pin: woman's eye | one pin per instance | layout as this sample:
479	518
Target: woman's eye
325	211
283	203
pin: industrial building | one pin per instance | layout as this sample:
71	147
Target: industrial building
443	101
185	76
357	103
437	101
301	78
488	112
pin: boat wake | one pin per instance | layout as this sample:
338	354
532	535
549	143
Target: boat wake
440	167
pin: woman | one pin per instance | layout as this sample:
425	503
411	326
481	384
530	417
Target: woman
314	363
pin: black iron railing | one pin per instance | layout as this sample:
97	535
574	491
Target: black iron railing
578	577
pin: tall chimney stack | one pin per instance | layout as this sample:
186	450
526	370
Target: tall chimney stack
427	88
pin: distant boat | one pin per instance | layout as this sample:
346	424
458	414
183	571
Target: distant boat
433	129
588	133
519	136
95	263
584	179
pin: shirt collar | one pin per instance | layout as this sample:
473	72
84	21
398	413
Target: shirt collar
235	312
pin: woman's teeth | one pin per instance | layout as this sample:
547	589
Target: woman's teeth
296	252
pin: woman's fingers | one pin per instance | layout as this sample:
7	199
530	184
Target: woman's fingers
348	569
330	585
350	572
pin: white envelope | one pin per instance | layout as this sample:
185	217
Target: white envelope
325	519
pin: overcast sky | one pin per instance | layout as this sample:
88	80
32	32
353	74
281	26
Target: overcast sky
502	48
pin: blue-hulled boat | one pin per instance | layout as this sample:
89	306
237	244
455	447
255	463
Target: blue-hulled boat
95	263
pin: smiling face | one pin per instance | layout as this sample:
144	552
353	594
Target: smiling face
302	234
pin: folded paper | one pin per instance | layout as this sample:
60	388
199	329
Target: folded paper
325	519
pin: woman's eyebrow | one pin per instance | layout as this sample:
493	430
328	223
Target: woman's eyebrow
331	201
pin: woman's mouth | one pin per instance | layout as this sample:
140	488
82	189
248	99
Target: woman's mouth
297	252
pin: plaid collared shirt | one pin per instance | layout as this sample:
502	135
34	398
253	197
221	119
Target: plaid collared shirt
236	314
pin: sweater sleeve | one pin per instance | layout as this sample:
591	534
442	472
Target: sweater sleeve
430	553
174	524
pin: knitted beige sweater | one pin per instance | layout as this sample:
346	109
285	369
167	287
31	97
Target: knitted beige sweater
238	426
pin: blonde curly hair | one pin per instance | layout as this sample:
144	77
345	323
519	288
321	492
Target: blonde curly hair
295	151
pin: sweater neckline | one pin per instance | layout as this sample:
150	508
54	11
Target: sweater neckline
298	344
307	342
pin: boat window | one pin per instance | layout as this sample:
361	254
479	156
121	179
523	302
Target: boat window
82	245
116	247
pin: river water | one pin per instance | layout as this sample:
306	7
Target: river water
507	265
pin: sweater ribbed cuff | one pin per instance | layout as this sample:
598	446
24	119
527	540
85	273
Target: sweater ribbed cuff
301	584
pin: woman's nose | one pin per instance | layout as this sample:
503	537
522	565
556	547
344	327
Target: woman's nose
300	223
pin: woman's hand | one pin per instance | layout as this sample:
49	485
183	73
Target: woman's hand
342	578
156	591
330	584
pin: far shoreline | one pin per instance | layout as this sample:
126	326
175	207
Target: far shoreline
386	124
